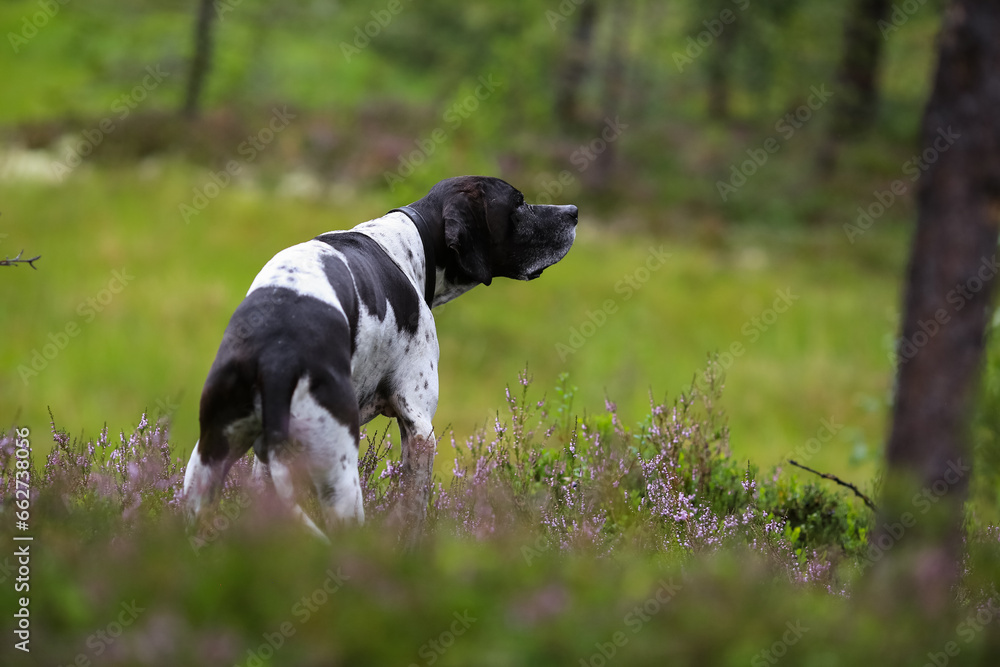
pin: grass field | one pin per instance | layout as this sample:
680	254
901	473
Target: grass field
130	302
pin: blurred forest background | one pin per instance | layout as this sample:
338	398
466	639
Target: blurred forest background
746	173
156	154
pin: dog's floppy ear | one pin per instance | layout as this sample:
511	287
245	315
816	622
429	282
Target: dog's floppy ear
467	234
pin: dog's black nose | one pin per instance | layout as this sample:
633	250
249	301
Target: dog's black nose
571	211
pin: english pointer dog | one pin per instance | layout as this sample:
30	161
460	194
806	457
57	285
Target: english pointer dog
339	329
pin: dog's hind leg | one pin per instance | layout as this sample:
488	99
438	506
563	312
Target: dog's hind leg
324	422
204	475
333	467
201	483
261	475
281	476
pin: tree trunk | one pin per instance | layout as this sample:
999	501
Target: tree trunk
600	176
947	307
575	66
856	101
201	60
857	77
718	67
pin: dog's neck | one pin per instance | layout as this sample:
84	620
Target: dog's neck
428	242
425	220
399	236
445	290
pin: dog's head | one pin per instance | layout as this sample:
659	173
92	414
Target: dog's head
491	232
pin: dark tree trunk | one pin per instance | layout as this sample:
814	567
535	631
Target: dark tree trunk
857	78
947	307
600	176
201	60
575	66
718	66
718	90
614	71
856	100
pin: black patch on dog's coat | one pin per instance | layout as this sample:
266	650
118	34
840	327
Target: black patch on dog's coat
275	337
377	279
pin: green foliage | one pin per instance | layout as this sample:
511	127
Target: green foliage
815	517
369	83
985	434
543	549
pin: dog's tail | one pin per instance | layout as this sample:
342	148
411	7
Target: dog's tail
276	383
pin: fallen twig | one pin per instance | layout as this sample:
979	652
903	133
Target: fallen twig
826	475
17	260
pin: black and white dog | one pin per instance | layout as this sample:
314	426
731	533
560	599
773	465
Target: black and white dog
339	329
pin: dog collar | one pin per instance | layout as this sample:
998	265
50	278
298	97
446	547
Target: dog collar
427	240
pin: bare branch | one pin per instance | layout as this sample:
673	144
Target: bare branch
826	475
18	260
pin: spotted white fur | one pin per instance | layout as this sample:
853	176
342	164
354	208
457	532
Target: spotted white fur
300	269
404	353
382	348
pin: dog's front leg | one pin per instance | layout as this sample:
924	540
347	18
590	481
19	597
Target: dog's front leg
418	449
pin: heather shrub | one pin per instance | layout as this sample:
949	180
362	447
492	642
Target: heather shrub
542	476
556	532
667	485
134	480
